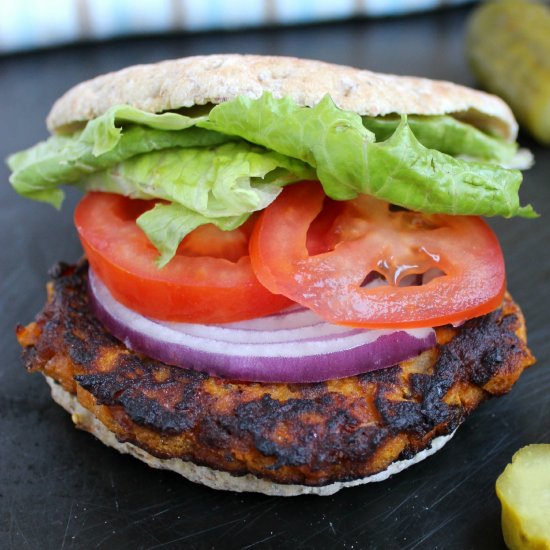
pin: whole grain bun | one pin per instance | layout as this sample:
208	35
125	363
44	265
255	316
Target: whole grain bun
216	479
213	79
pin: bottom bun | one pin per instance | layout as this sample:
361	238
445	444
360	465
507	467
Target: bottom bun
217	479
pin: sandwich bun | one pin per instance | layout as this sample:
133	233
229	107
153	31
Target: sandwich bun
213	79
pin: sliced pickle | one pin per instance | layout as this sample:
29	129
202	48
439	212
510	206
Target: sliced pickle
508	47
524	492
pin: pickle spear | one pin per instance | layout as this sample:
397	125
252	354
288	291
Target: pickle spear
524	492
508	47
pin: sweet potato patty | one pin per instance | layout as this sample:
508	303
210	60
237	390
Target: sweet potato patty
310	434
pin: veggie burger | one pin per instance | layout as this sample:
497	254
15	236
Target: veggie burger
287	286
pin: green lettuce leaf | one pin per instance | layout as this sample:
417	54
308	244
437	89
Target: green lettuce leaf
448	135
348	162
222	165
166	225
221	185
401	170
323	136
38	172
105	131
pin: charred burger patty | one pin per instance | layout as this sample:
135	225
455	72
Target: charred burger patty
301	434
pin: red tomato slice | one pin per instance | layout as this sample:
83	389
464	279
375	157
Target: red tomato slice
458	258
210	280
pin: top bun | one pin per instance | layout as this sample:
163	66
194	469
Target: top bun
213	79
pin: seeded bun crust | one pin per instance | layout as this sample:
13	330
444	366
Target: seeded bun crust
213	79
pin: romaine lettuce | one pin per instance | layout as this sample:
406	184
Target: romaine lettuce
38	172
233	160
348	162
221	185
447	135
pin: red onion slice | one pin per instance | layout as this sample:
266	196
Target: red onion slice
293	346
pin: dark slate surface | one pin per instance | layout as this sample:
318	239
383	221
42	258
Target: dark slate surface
59	488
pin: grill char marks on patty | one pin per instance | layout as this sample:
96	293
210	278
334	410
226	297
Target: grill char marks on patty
309	434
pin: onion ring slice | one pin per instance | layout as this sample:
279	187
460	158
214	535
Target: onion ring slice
296	346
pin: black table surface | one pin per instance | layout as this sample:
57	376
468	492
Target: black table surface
60	488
